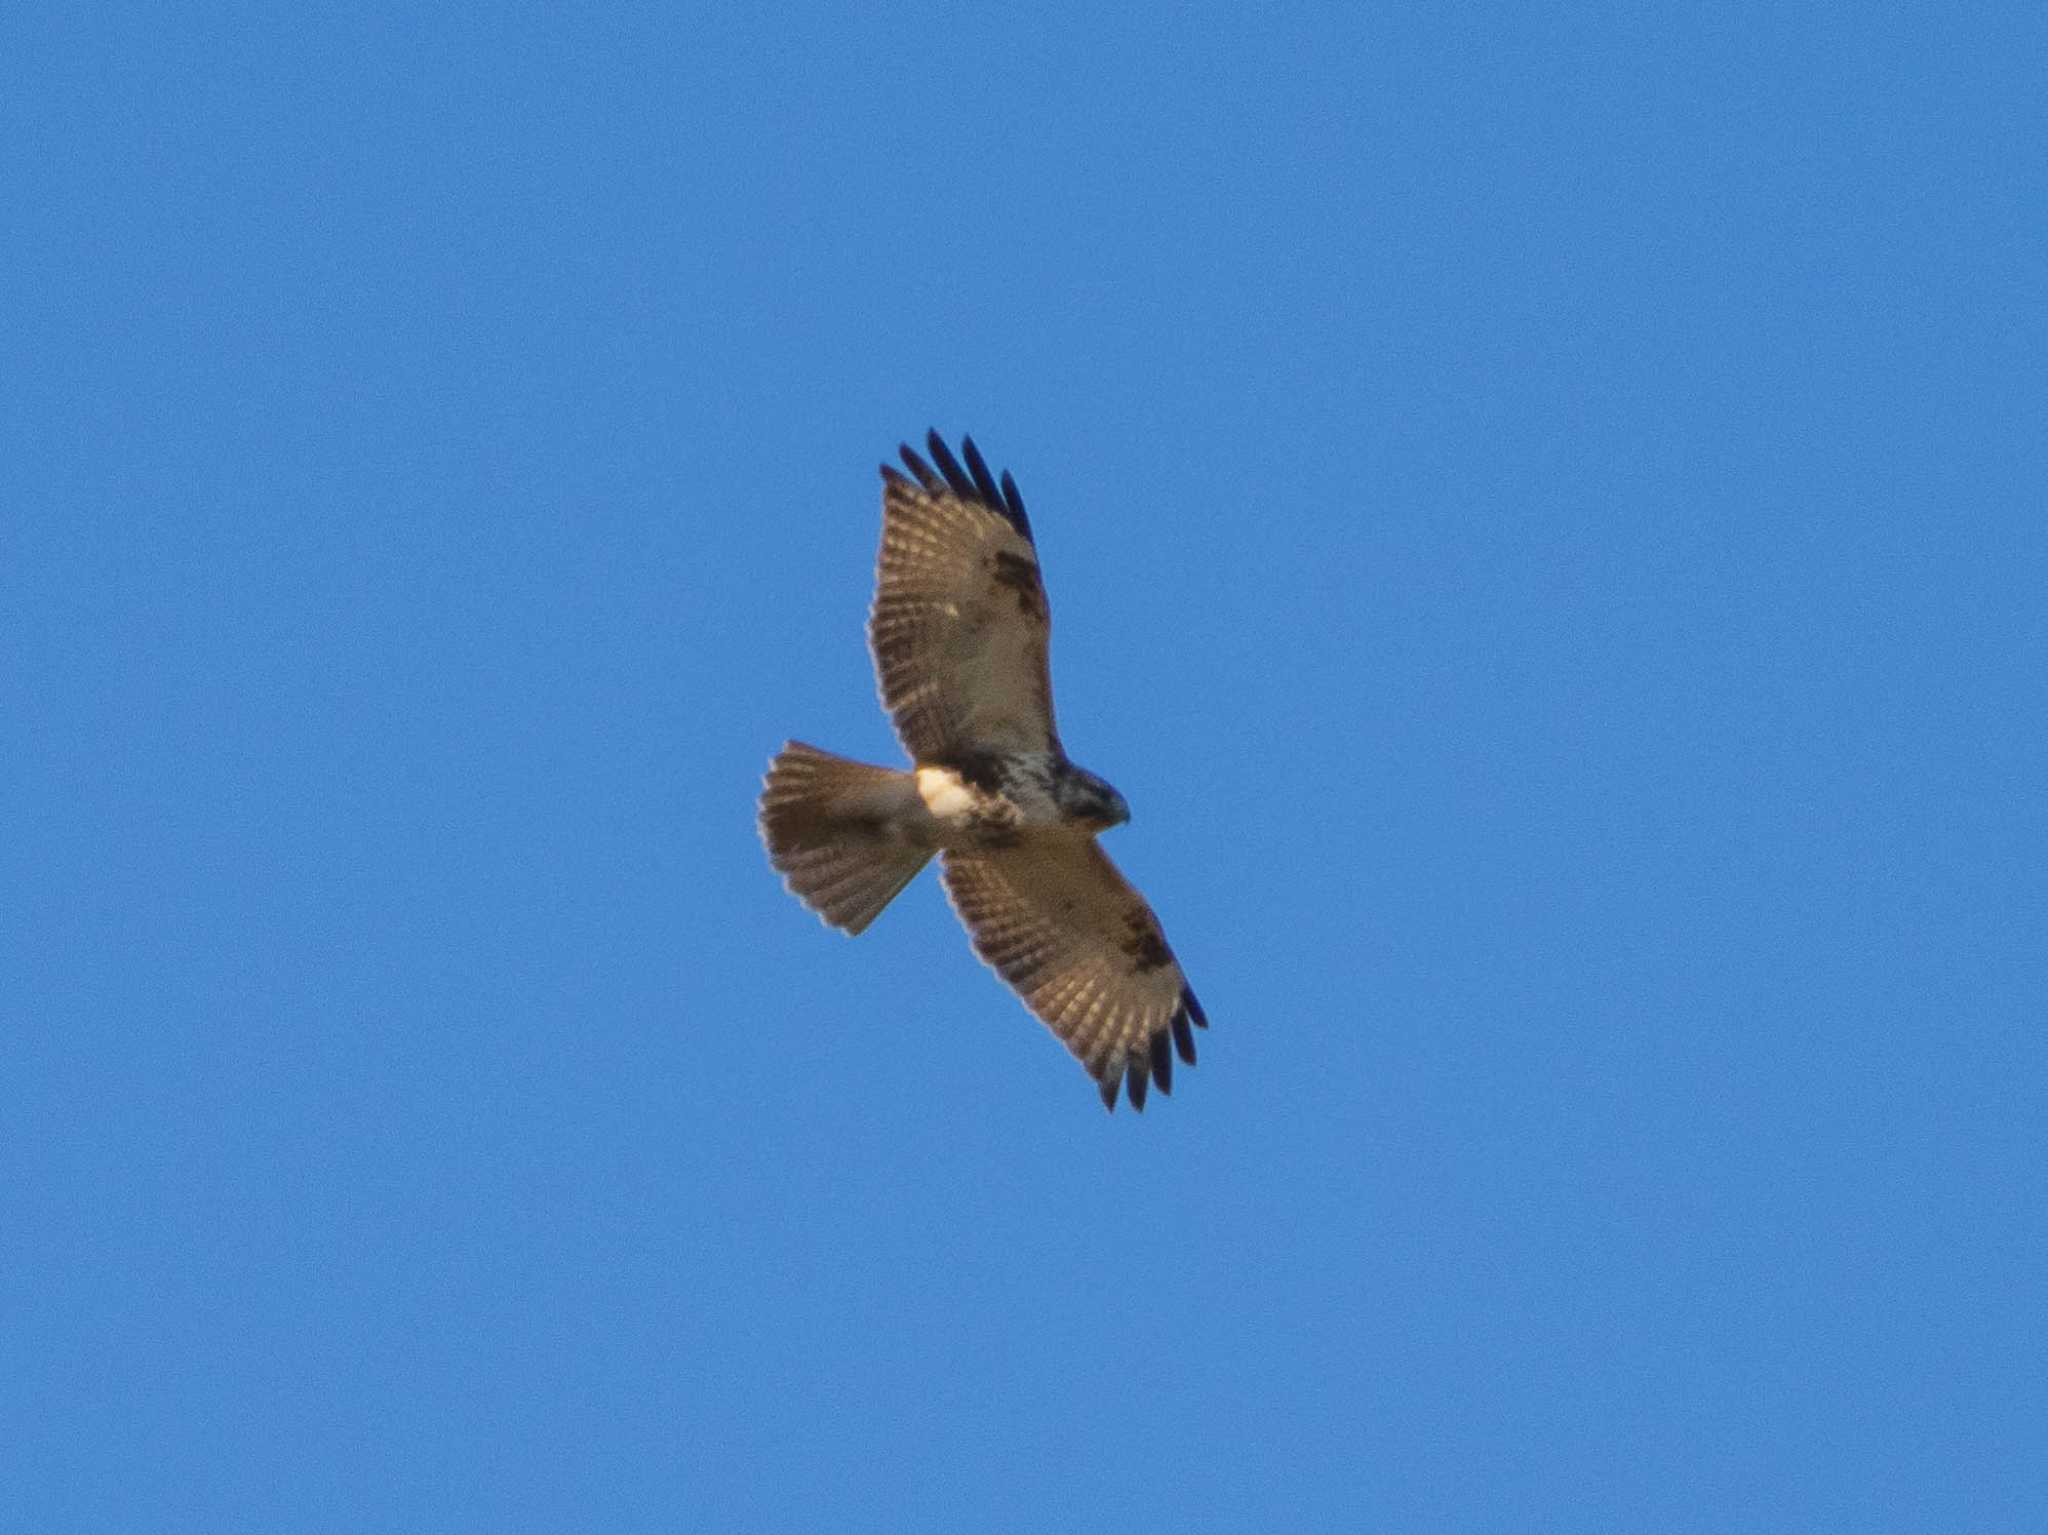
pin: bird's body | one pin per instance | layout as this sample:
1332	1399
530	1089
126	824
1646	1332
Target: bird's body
959	633
982	801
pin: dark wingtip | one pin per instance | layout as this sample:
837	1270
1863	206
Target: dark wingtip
1183	1037
973	483
1193	1008
1015	505
984	482
1136	1081
956	478
1162	1062
916	466
1108	1089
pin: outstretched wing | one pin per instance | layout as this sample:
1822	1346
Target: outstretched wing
1081	947
959	626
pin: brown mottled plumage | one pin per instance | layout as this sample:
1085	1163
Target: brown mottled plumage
959	633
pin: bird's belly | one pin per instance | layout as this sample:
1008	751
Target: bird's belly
964	816
945	794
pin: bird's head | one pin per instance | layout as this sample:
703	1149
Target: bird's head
1092	801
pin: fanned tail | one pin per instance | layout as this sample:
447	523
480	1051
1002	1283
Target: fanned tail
836	832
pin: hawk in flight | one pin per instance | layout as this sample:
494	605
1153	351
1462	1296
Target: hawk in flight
959	633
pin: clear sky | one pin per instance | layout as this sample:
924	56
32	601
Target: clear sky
1543	512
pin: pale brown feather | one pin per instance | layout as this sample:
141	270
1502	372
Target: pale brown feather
960	625
833	829
1064	928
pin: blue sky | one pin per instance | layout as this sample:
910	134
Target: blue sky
1543	513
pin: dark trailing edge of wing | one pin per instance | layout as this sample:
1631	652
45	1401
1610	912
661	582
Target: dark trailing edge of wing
1154	1068
974	483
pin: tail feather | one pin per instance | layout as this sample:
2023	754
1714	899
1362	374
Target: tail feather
834	832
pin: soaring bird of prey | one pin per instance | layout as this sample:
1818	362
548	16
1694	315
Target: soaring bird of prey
959	632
